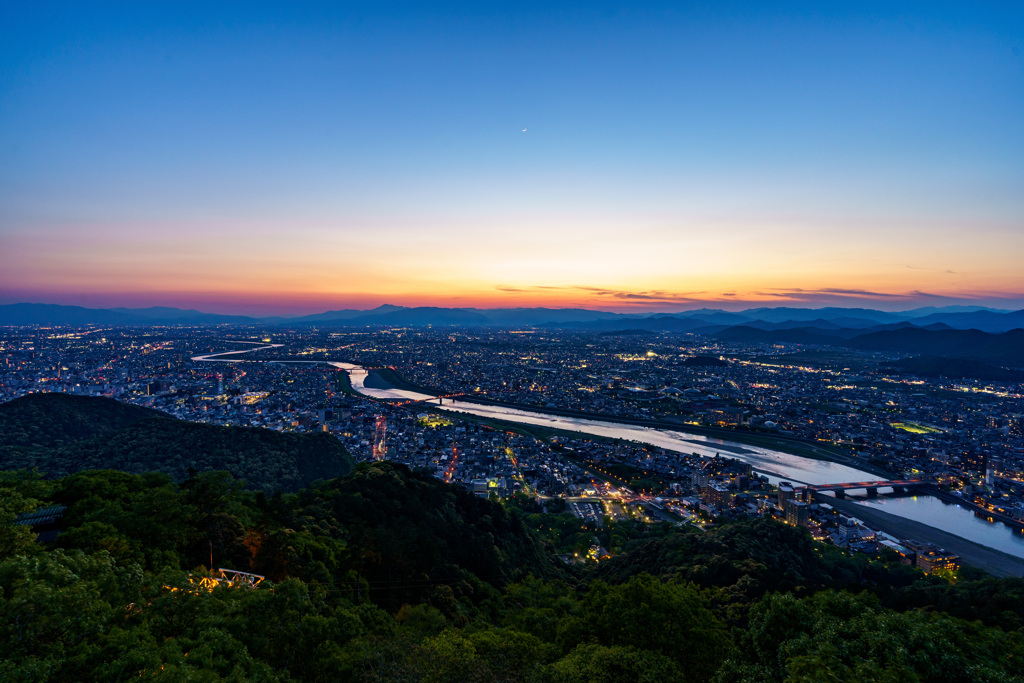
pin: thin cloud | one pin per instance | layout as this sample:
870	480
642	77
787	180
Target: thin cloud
936	270
657	296
647	296
857	292
943	297
625	296
798	293
530	288
665	299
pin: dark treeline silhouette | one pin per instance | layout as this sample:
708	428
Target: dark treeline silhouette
60	434
390	575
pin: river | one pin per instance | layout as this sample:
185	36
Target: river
952	518
776	465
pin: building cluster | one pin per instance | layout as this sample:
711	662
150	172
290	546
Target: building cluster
965	436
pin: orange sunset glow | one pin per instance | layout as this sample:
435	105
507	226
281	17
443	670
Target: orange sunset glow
605	170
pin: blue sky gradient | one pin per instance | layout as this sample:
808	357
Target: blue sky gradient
310	155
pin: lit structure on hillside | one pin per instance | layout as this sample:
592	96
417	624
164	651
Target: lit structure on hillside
230	578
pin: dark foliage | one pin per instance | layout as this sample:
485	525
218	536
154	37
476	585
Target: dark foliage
1002	349
955	368
386	575
745	560
60	434
414	534
37	423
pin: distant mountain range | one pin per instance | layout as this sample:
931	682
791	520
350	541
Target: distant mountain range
963	333
830	320
52	314
1002	350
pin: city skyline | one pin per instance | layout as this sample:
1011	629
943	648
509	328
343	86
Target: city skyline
245	160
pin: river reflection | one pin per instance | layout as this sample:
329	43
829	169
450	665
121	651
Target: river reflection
776	465
950	517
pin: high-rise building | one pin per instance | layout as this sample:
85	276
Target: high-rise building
786	492
976	462
716	495
797	512
991	467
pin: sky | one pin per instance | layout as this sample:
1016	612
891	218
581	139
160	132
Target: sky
288	158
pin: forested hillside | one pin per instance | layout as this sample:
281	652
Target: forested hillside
60	434
389	575
37	423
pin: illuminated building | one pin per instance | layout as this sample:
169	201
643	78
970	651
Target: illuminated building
937	559
716	495
786	492
797	512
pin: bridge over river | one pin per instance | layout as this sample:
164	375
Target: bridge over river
814	475
898	486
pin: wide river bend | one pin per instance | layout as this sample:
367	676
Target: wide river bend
776	465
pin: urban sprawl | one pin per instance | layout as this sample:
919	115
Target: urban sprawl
963	438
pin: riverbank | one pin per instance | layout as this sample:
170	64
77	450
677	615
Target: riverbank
666	434
987	559
392	379
974	507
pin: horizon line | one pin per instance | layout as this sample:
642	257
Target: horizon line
618	310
